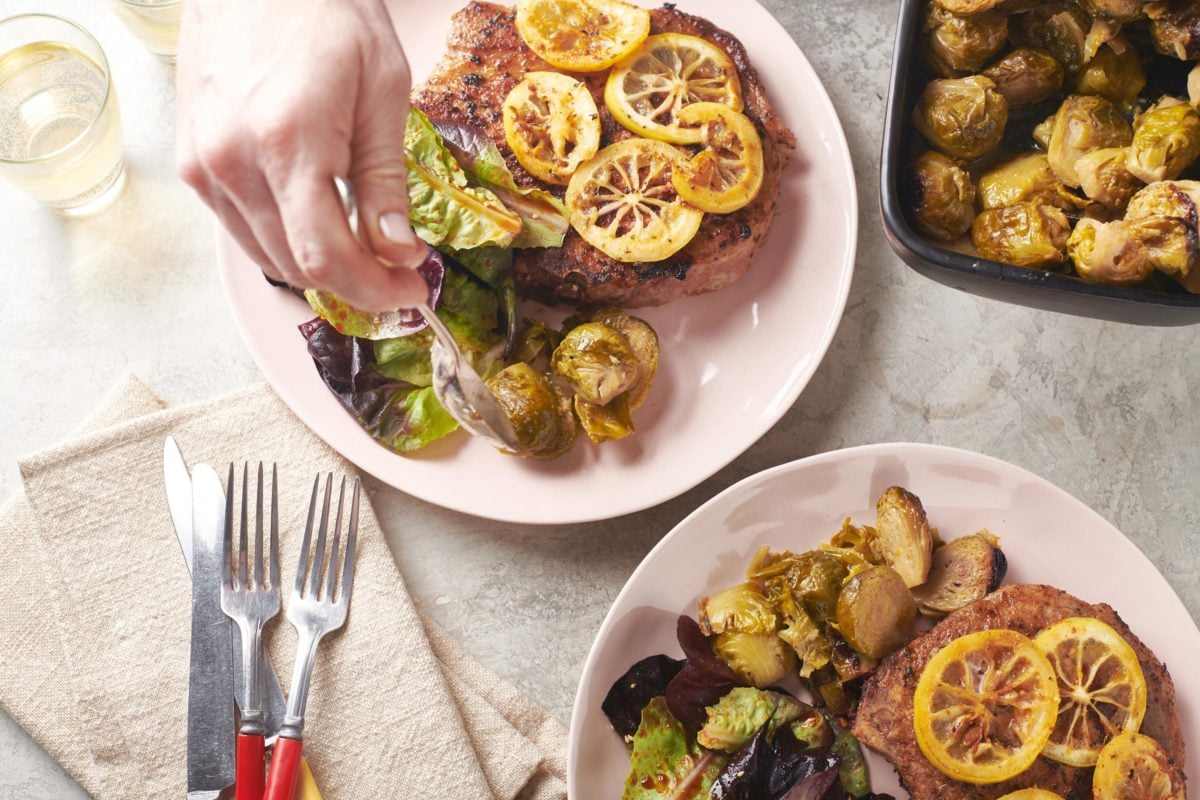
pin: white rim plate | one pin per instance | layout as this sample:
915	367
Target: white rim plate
1048	536
732	362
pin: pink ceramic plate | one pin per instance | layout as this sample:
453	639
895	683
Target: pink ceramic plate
1048	536
732	362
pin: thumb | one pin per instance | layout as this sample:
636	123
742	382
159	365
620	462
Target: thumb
377	166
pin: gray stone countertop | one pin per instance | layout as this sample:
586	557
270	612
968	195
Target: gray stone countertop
1106	411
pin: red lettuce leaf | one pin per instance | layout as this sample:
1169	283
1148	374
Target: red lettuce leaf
633	691
703	681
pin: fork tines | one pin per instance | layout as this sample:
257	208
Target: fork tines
319	567
243	578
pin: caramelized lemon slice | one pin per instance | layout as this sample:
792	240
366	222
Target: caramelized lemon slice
985	706
552	125
1135	767
582	35
668	72
727	174
622	202
1101	687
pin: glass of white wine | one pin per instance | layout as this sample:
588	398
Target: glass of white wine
154	22
60	128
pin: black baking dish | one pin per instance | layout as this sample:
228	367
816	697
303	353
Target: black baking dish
1164	304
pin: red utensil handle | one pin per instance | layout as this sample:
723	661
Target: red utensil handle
285	769
250	766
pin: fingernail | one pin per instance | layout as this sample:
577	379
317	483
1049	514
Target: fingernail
395	227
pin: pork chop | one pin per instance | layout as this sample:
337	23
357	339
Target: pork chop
884	720
486	58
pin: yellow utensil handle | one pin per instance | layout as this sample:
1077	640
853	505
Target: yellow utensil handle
306	786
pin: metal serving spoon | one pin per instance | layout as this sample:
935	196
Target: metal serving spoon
455	382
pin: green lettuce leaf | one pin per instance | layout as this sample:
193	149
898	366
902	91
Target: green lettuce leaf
413	419
663	764
443	208
493	266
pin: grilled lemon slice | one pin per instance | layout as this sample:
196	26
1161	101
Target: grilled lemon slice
1101	688
727	174
1135	767
985	706
582	35
668	72
552	125
622	202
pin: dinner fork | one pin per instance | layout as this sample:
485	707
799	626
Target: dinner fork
251	601
314	612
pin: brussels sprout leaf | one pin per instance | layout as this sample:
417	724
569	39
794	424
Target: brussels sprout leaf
664	764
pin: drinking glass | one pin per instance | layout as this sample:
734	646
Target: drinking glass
154	22
60	128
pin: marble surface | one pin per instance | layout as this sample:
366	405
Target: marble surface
1106	411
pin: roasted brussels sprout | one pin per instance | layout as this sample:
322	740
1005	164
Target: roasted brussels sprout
1166	139
1084	123
905	538
876	611
1194	86
1175	28
1026	76
1119	10
606	423
1043	131
962	117
539	412
1060	28
816	579
1179	199
958	45
967	7
943	197
597	362
643	342
535	340
1025	234
760	659
963	571
741	608
1118	77
1109	253
737	716
1026	177
1105	178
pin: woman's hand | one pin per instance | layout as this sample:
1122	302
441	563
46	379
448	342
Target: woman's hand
275	98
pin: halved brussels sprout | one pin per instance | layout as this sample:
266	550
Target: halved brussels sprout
1118	77
1062	29
1026	76
1175	28
876	611
963	44
536	340
1084	123
1043	131
539	412
643	342
741	608
760	659
967	7
1026	177
943	197
905	538
1119	10
963	571
962	117
1109	253
1164	217
1180	199
1194	86
1166	139
1024	234
1105	178
597	362
606	423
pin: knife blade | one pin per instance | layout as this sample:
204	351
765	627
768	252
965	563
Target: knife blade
211	768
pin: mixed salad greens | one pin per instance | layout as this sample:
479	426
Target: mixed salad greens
719	725
465	203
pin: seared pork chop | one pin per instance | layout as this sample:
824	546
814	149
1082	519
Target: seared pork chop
486	58
884	721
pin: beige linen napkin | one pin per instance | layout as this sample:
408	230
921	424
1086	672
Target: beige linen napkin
94	625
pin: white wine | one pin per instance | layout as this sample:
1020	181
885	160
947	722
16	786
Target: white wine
154	22
60	131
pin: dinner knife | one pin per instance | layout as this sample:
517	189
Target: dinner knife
211	767
179	501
